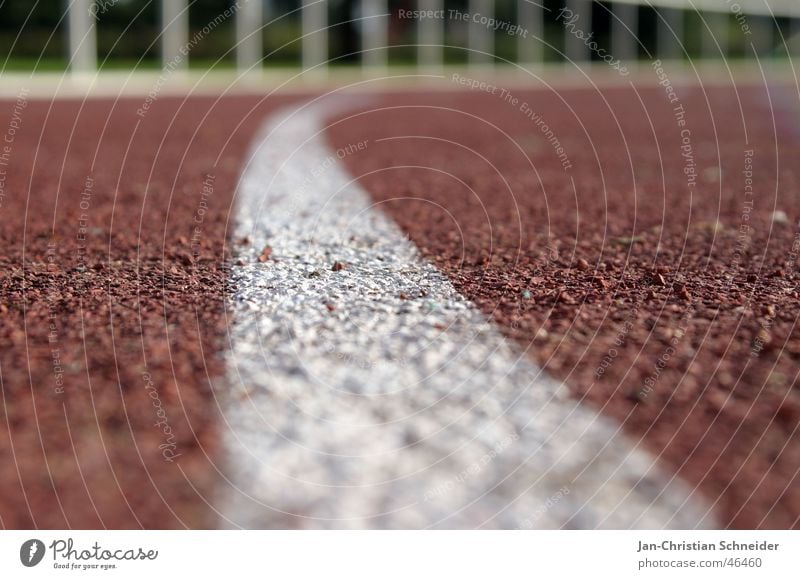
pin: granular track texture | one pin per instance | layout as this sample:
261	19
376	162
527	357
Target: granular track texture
616	238
112	291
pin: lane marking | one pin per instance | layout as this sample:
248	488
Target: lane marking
373	395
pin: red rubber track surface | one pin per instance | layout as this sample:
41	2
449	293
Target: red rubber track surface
112	308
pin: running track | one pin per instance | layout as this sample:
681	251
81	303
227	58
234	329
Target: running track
108	340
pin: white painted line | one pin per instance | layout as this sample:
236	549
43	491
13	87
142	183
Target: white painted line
376	396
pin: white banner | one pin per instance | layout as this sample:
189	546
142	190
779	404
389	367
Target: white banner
401	554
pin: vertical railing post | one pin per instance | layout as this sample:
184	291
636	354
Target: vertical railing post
530	46
430	37
793	42
374	34
762	36
82	36
315	34
480	38
670	34
625	31
174	33
249	45
717	35
575	47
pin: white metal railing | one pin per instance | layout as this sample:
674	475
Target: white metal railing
755	18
